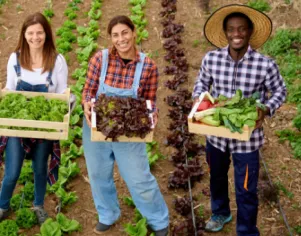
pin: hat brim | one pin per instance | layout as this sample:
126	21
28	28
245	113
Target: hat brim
214	32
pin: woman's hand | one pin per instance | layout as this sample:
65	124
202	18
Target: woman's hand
155	118
87	112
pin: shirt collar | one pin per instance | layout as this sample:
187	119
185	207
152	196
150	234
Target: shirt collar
248	54
114	53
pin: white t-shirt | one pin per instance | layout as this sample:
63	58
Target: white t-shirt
59	75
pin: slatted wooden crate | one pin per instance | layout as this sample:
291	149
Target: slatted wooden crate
61	128
221	131
97	136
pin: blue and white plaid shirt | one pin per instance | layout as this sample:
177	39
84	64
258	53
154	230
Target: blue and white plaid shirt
254	72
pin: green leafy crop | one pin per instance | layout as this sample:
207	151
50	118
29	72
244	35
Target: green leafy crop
260	5
17	106
9	228
26	218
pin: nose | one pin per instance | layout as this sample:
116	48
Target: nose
35	35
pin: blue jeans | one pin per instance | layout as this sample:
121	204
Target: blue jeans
13	163
133	166
246	171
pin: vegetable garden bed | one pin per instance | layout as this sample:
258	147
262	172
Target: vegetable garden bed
60	129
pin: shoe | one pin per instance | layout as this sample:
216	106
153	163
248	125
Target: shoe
216	222
162	232
4	213
40	213
101	228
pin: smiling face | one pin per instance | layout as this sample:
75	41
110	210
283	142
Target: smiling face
123	39
35	36
238	34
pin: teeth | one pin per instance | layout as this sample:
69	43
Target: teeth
237	40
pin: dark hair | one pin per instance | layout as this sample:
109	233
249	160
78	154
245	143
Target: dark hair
237	14
49	51
120	20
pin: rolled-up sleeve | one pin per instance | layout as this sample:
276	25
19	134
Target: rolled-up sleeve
92	78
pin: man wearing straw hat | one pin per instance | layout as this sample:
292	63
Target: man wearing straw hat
237	30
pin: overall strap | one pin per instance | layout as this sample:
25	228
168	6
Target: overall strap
48	79
138	72
103	72
18	67
49	76
104	65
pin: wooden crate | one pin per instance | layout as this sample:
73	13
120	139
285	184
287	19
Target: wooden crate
221	131
97	136
61	128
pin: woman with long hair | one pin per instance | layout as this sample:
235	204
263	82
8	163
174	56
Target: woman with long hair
34	66
122	71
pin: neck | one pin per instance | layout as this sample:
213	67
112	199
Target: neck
36	55
237	54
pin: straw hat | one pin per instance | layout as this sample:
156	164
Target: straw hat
214	32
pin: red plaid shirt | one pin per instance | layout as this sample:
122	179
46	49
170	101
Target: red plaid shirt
120	75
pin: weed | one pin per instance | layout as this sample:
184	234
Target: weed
201	212
196	43
154	54
296	206
287	1
260	5
2	36
287	193
19	8
298	229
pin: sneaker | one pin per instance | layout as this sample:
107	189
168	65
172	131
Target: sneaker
162	232
41	214
101	228
216	222
4	213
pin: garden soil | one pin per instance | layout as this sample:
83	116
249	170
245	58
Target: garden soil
192	13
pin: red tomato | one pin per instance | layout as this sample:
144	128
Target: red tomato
204	105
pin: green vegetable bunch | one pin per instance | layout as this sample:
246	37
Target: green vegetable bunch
60	226
26	218
9	228
238	111
17	106
233	113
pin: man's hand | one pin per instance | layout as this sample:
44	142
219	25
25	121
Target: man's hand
261	116
87	112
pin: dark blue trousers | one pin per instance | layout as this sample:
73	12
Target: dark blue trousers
246	170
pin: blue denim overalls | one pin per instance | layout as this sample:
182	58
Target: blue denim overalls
132	162
15	154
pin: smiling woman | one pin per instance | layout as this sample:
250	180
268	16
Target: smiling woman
34	66
122	71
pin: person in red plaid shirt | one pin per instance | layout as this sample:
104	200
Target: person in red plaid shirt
122	71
